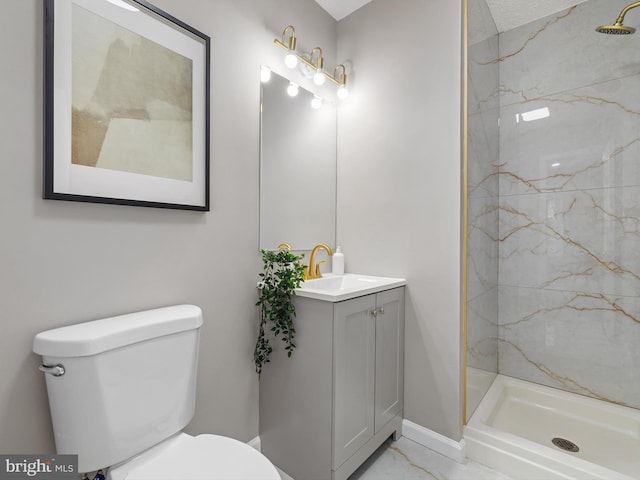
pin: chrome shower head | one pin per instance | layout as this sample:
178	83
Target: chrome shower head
618	28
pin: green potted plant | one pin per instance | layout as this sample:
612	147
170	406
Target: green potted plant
282	274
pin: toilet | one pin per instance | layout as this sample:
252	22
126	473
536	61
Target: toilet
120	391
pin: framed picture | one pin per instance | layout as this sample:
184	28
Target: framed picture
126	105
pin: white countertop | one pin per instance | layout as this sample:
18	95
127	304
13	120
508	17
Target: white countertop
337	288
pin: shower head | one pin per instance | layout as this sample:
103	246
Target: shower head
618	28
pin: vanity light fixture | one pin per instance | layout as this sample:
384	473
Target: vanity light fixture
289	44
291	60
342	92
314	61
318	65
340	80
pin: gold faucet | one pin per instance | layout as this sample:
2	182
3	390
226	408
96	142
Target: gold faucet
313	270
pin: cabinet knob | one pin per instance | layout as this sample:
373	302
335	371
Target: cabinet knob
374	313
381	310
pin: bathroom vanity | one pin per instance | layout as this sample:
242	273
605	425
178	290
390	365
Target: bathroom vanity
326	409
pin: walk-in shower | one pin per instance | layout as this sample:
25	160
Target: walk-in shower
553	241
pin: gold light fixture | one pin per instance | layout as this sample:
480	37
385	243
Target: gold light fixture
340	79
314	61
318	65
289	44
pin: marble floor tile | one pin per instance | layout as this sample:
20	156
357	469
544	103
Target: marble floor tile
404	459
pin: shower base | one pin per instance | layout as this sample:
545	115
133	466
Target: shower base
514	427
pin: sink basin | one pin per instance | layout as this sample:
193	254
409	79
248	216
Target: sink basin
336	288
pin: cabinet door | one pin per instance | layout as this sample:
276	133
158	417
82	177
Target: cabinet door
389	386
353	370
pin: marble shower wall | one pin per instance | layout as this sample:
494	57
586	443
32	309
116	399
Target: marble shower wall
569	203
483	141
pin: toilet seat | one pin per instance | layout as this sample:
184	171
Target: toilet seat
205	457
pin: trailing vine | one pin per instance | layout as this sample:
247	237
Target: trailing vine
282	274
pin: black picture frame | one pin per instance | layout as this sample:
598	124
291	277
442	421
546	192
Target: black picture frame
126	106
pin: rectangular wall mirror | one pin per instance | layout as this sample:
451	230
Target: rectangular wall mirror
297	168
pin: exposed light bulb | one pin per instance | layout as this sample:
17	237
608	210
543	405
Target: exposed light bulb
290	60
316	102
342	92
265	74
319	78
292	89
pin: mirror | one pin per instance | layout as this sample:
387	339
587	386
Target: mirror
297	168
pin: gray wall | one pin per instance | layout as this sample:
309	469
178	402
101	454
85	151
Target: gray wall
64	263
399	170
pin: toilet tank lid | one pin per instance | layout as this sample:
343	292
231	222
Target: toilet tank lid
91	338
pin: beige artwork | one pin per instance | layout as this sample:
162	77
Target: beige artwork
131	101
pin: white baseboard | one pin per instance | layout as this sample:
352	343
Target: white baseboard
434	441
255	443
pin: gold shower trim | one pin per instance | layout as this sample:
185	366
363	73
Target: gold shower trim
465	198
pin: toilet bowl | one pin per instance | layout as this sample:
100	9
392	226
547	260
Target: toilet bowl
141	370
205	457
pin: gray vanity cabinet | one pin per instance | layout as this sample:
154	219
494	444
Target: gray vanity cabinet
326	409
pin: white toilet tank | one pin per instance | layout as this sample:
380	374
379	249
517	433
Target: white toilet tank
129	382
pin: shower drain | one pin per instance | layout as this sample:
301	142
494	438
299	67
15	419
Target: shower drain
565	444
